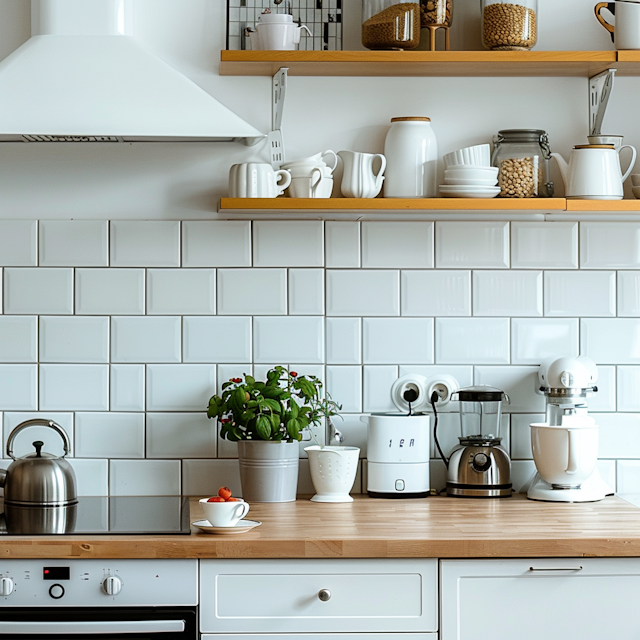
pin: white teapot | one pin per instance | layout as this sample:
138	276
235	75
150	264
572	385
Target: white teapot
593	171
276	32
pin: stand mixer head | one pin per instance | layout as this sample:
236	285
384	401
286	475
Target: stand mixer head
565	447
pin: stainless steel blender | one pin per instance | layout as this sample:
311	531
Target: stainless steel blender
480	467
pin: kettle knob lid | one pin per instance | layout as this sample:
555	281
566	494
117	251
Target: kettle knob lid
38	444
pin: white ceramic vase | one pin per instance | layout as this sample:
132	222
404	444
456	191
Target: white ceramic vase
333	472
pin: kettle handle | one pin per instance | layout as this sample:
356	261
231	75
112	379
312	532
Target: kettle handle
598	8
38	422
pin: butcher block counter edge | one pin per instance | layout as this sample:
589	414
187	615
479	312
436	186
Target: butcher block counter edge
435	527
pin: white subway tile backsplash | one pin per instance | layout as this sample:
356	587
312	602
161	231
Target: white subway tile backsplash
92	477
110	291
397	245
342	244
397	340
18	387
609	245
610	341
343	341
75	387
522	472
628	476
472	245
18	243
109	435
145	339
252	291
288	339
217	339
181	291
73	243
544	245
344	384
363	293
18	339
280	243
607	471
472	340
534	339
605	398
144	477
182	387
377	382
205	477
628	380
519	383
436	292
619	435
306	292
181	435
628	293
73	339
23	441
507	293
144	243
580	293
126	387
521	434
31	291
216	243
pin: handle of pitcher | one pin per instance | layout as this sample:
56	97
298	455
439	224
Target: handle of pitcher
572	461
383	166
633	159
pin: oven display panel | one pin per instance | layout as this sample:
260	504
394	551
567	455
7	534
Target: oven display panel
55	573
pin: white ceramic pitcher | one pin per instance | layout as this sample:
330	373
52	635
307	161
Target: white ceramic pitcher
276	32
359	180
593	171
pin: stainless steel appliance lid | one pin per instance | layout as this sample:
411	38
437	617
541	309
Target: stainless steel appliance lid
480	393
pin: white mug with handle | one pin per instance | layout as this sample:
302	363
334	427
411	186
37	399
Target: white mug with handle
257	180
308	184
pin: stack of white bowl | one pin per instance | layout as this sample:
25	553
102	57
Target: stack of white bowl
468	173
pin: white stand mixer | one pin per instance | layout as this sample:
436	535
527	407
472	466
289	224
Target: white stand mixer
565	447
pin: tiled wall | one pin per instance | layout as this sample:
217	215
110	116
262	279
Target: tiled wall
122	330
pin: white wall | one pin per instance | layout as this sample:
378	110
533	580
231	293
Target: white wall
100	319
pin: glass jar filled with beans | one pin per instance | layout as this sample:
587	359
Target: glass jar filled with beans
522	157
509	25
436	12
390	24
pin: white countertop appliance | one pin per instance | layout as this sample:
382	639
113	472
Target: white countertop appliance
565	446
398	444
479	467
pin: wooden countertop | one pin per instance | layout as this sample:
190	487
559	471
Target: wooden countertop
435	527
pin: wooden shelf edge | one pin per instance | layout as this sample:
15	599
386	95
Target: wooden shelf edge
614	206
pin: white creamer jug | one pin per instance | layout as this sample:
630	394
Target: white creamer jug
593	171
359	180
276	32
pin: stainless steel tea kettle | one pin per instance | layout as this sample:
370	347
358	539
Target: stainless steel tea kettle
39	479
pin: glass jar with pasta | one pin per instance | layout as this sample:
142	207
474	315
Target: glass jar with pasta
509	25
390	24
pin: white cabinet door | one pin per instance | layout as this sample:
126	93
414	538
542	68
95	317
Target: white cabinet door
540	599
316	596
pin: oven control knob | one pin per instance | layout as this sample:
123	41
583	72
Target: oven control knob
112	585
56	591
6	586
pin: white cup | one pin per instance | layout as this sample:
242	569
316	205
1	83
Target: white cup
616	141
316	160
626	25
309	184
257	180
224	514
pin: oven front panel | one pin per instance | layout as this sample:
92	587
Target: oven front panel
97	583
62	623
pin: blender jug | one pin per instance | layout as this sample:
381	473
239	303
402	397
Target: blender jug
480	413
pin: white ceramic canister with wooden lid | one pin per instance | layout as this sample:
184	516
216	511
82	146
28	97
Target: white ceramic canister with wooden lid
411	150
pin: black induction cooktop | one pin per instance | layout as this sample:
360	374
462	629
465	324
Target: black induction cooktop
96	515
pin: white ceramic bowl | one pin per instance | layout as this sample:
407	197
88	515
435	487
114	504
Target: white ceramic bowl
471	182
479	154
471	172
635	179
636	192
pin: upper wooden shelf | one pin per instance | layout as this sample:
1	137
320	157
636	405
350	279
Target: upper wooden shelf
427	63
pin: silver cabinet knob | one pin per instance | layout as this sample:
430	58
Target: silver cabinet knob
324	595
112	585
6	586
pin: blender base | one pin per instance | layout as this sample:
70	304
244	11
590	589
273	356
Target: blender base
592	489
477	491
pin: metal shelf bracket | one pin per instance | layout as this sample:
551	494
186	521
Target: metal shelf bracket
274	139
600	88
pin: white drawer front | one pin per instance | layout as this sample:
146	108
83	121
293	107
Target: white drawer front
277	596
589	599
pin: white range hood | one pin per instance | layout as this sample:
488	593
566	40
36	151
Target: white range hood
83	77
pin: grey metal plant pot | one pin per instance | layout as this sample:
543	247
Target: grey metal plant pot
268	470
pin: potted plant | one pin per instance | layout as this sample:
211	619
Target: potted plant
267	420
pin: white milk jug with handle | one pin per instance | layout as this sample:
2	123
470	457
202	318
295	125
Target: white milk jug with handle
276	32
593	171
359	180
257	180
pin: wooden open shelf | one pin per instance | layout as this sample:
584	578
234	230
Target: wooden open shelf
426	63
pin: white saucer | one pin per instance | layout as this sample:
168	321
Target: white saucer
468	191
241	527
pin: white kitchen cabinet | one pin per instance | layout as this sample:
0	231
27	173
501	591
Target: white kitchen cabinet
540	599
319	596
